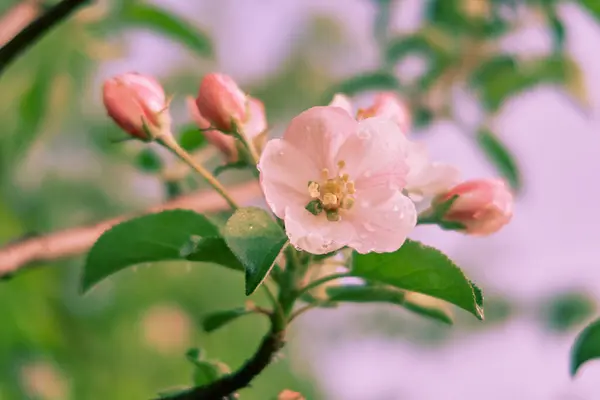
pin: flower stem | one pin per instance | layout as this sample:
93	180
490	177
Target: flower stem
321	281
171	144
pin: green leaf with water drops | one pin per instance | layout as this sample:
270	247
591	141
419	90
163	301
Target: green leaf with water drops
256	239
586	347
175	27
168	235
422	269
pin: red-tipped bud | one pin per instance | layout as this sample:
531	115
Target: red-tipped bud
220	101
482	206
137	103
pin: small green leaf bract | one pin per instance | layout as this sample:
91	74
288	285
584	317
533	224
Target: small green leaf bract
586	347
256	240
155	237
421	269
501	157
175	27
215	320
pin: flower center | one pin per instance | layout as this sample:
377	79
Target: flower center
331	195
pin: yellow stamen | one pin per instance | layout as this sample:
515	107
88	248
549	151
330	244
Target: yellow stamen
329	199
313	190
345	177
350	187
325	174
341	164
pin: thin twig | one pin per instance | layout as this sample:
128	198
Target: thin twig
74	241
34	31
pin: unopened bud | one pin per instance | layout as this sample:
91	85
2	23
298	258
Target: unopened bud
221	102
137	103
482	206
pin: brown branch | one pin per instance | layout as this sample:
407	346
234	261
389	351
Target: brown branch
230	384
74	241
35	30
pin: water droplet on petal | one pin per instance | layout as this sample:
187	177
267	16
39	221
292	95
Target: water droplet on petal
396	207
401	215
362	235
364	135
280	153
364	204
367	174
393	186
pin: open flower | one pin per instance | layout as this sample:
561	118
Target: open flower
425	178
337	182
137	103
220	101
483	206
386	105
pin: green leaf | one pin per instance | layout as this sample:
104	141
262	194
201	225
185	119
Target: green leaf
421	269
168	235
567	310
592	6
378	80
586	347
365	294
256	239
378	294
215	320
148	161
192	139
205	371
557	29
171	25
500	156
428	310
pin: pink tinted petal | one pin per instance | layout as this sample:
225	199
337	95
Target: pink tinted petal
225	143
314	233
389	105
319	133
426	178
375	156
342	101
381	224
284	176
257	120
146	88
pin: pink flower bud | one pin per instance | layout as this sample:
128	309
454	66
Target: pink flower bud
483	206
389	105
137	104
251	128
221	101
225	143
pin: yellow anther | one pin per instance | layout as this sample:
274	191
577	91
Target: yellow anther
345	177
329	199
341	164
313	190
350	187
347	203
325	174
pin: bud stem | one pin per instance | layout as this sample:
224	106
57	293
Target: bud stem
171	144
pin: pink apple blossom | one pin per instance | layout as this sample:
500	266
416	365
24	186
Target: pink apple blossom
425	178
337	182
137	103
483	206
385	104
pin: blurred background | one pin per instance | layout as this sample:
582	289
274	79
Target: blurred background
497	87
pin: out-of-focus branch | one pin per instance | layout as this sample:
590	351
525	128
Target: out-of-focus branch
36	29
74	241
